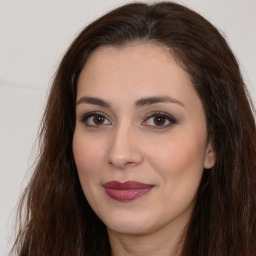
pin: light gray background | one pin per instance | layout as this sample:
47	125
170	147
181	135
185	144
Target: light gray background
33	37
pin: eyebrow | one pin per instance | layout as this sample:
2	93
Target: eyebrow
154	100
93	101
139	103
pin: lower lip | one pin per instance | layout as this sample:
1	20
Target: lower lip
126	195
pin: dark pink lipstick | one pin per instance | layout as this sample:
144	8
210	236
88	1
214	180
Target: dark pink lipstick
126	191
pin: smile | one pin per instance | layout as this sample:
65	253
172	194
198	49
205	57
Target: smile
127	191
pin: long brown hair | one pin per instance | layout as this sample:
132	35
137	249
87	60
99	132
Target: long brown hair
57	220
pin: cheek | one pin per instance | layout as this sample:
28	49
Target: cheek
180	166
87	155
81	154
179	161
178	154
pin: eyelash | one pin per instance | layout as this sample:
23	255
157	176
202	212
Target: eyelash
87	116
167	118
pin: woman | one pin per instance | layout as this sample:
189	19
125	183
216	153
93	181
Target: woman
147	143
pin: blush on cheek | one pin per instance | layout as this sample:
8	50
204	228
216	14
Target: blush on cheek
81	150
180	158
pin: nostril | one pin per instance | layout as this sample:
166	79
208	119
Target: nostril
127	161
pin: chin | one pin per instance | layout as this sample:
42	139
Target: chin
130	224
129	229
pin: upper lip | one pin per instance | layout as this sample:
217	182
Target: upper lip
126	185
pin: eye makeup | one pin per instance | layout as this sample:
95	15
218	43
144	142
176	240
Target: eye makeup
154	120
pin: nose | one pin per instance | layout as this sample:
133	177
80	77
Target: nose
124	148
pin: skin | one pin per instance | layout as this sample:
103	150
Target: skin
127	142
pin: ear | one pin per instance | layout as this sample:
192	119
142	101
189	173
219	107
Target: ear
209	159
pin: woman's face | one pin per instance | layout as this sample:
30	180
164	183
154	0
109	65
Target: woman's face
140	141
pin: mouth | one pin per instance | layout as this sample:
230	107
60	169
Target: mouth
127	191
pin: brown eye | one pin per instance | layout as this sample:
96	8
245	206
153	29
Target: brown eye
159	120
92	119
98	119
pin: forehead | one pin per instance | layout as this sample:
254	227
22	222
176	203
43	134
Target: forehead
138	65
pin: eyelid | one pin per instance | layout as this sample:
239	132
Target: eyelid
153	114
169	117
87	115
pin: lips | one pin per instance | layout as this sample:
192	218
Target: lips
127	191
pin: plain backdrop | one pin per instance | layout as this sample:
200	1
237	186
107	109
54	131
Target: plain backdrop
34	36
